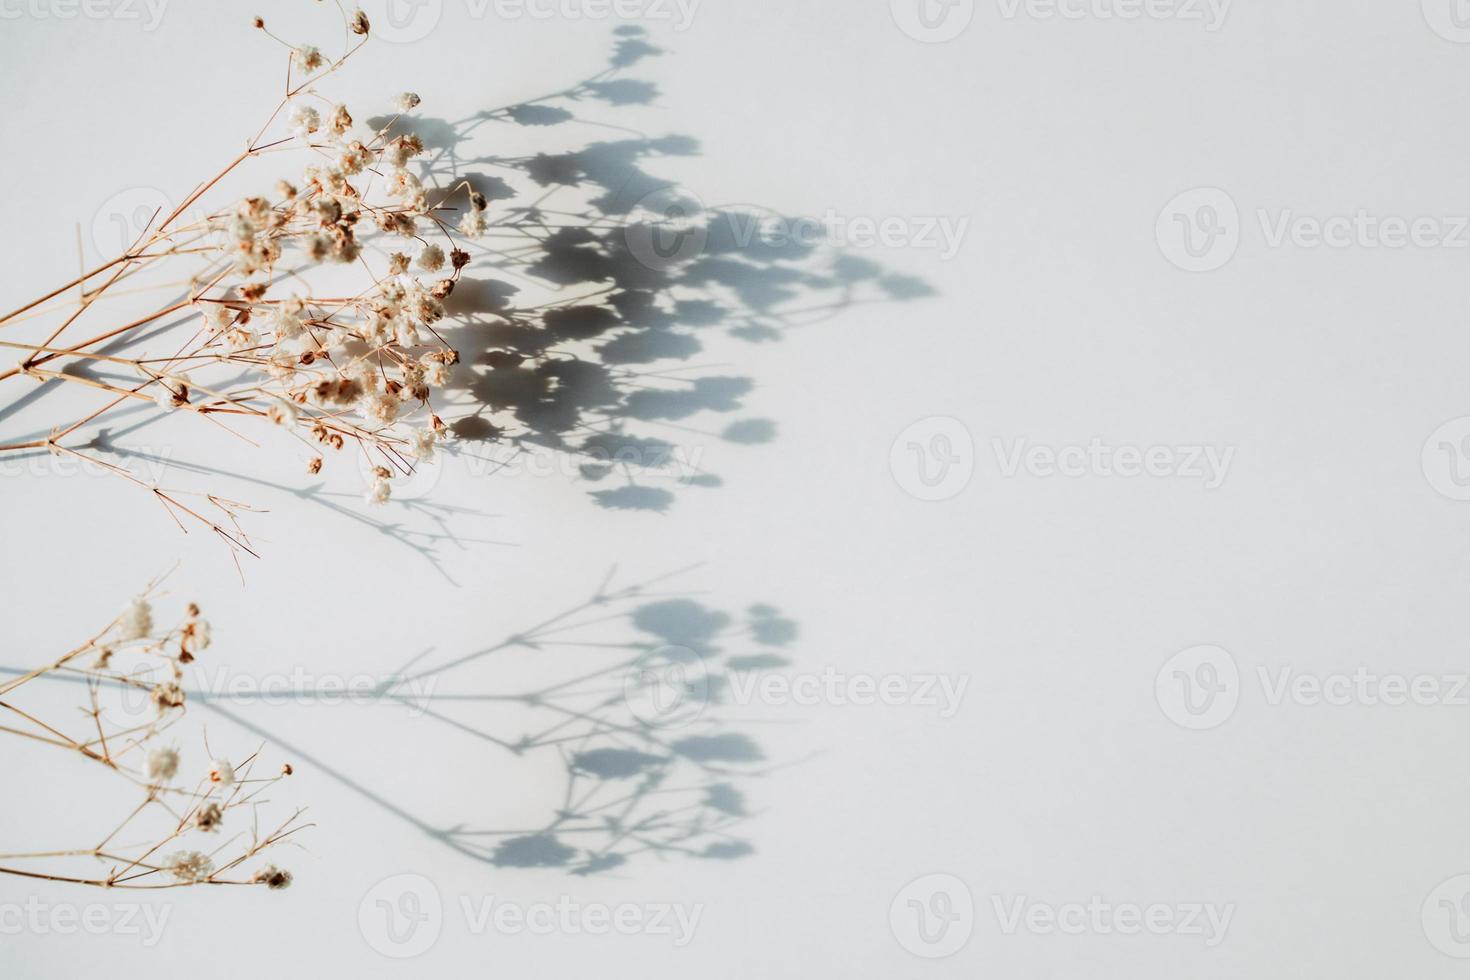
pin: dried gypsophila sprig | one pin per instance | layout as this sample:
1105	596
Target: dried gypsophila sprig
355	365
190	842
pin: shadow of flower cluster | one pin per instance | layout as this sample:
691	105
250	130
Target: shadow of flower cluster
632	704
607	281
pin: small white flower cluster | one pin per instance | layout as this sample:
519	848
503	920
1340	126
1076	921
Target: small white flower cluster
190	866
360	369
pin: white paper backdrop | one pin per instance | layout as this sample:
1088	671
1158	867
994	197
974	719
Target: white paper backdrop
1321	537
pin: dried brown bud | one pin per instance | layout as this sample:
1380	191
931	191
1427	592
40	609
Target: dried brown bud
477	201
359	22
259	22
286	769
459	258
442	288
314	467
253	291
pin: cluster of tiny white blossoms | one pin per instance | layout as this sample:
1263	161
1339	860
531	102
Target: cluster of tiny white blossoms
137	662
336	370
317	297
361	367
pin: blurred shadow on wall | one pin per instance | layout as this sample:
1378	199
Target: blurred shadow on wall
629	273
633	705
594	374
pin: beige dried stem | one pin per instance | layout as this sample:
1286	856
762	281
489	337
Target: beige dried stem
199	824
352	360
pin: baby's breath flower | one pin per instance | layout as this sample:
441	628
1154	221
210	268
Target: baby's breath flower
222	774
167	695
241	338
437	374
189	865
379	407
161	765
285	322
339	121
165	398
355	158
431	259
197	634
273	877
218	316
421	443
282	412
472	225
380	491
406	101
304	119
137	621
209	817
307	58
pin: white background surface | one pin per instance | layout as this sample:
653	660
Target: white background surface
1060	779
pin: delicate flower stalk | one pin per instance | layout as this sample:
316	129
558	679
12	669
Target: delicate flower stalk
337	367
130	659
